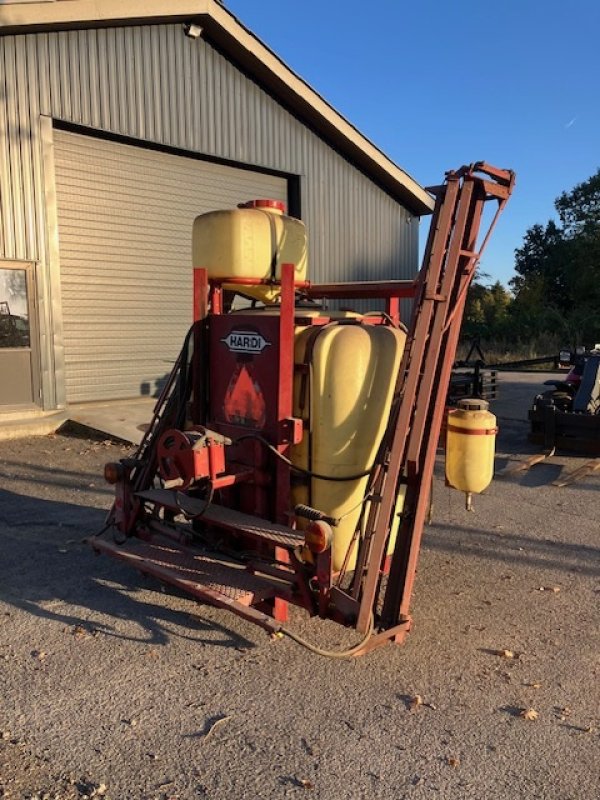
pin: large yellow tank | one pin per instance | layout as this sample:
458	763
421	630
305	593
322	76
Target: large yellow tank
344	398
250	242
470	447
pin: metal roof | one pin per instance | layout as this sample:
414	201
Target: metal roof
223	29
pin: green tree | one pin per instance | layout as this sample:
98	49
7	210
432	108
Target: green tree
557	286
486	312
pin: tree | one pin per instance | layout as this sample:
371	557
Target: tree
487	313
557	286
579	209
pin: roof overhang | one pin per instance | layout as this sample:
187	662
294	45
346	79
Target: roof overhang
242	46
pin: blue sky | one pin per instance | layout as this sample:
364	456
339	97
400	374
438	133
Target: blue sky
436	84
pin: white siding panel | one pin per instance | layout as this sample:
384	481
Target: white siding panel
125	218
154	84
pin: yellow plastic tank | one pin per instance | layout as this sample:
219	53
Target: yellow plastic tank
344	398
470	447
250	242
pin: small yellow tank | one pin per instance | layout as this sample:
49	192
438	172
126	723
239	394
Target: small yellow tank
470	447
250	242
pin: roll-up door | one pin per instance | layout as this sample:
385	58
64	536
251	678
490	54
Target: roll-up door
125	219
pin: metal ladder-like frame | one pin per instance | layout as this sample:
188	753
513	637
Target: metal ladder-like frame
408	451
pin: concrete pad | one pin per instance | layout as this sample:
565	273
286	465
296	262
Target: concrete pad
120	419
516	391
18	425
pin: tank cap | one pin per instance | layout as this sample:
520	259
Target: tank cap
277	205
473	404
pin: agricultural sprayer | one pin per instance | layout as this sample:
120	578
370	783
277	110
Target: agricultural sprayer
291	452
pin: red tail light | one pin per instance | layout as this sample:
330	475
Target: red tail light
113	472
318	536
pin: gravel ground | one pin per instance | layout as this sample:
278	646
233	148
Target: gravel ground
112	688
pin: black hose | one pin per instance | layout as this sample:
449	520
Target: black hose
183	385
301	470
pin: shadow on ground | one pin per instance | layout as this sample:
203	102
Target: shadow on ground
513	548
50	572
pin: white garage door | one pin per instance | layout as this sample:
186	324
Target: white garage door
125	219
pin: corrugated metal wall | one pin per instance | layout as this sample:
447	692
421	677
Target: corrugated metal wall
154	84
125	216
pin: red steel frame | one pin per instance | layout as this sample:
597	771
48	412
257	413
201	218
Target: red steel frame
407	452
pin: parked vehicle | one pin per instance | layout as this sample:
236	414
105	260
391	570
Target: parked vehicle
568	414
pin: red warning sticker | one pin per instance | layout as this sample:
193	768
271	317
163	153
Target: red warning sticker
244	402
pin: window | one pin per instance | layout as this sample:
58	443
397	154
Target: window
14	309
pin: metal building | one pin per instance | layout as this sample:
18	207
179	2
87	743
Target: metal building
119	123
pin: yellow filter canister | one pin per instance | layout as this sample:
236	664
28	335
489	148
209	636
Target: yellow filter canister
470	447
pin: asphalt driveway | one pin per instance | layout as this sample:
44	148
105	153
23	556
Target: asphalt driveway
112	687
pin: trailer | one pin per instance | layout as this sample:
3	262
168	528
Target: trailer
291	453
567	415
